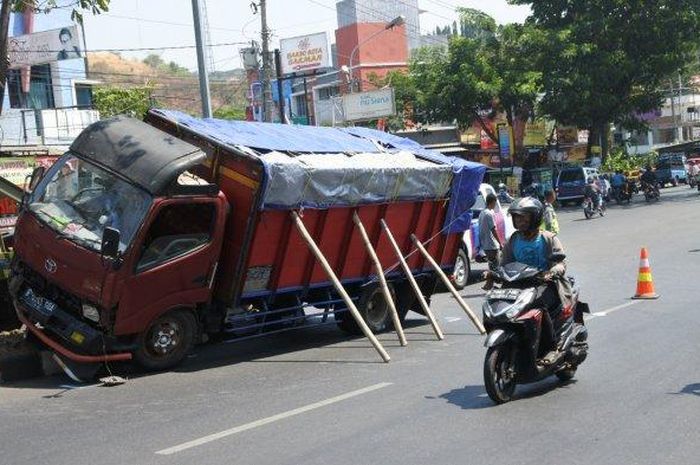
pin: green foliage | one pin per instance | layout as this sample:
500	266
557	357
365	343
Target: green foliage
485	70
618	159
172	68
230	113
605	61
45	6
133	101
154	61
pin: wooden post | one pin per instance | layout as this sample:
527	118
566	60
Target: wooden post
449	285
382	279
339	287
414	284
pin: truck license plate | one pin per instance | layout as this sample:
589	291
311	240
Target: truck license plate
38	303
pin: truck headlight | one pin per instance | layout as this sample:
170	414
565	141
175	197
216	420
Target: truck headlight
91	313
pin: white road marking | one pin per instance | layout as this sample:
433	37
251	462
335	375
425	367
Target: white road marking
608	311
268	420
452	319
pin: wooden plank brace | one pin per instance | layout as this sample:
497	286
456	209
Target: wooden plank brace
412	281
449	285
338	286
382	279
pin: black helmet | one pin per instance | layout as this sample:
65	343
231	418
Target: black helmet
528	206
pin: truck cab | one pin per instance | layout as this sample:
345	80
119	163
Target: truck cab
470	249
115	237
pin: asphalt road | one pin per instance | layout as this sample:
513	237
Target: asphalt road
317	397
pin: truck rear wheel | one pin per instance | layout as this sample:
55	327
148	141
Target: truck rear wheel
374	310
166	341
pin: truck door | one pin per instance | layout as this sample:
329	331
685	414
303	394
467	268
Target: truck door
173	263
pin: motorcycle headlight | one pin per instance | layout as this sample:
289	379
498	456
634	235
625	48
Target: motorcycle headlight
525	298
91	313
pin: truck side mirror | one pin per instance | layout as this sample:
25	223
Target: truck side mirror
110	243
37	174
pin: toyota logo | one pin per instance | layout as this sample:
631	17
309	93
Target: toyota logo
50	265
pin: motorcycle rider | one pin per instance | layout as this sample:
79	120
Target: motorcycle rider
541	250
592	191
618	182
649	178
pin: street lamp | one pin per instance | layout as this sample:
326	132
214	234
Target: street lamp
398	21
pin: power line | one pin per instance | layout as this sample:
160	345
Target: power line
139	49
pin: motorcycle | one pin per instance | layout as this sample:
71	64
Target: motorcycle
651	193
523	344
622	194
590	208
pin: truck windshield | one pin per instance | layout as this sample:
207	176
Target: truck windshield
79	200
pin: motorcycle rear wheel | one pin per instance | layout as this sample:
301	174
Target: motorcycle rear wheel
499	373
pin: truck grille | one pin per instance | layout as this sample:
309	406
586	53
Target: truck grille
40	285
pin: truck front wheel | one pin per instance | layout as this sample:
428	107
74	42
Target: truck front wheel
167	340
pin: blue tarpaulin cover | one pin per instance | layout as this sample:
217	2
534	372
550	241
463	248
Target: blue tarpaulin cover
400	170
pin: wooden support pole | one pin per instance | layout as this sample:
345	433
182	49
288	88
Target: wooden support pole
382	279
412	281
449	285
338	286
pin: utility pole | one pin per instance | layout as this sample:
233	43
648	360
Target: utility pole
680	106
673	113
267	67
201	60
5	11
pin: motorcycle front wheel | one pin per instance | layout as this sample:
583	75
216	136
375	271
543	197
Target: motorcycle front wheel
566	374
499	373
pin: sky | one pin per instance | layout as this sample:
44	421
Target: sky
165	23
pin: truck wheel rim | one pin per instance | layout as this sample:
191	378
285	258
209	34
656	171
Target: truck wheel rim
376	309
165	338
460	270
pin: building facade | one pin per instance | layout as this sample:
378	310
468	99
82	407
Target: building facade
351	12
48	98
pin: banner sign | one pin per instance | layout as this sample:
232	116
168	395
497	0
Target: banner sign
369	105
505	141
304	53
44	47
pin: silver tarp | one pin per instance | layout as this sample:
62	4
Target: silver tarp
340	179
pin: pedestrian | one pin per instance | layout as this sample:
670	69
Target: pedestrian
549	219
489	241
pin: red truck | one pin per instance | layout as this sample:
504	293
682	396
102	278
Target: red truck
148	235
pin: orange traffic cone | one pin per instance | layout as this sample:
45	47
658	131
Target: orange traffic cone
645	284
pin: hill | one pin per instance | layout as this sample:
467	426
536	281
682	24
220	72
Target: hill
173	86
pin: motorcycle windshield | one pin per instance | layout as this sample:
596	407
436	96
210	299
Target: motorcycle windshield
79	200
516	271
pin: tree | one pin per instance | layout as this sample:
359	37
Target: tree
484	71
38	6
231	113
131	101
605	61
154	61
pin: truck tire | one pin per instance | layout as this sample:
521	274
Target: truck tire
373	308
167	341
462	270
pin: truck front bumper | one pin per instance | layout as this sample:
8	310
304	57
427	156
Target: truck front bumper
70	328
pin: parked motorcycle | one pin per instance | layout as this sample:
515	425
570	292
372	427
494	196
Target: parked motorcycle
523	344
651	193
590	208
